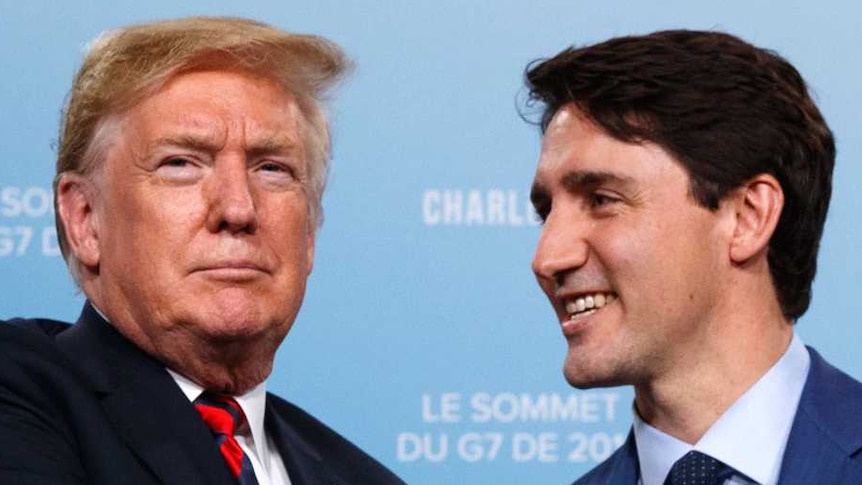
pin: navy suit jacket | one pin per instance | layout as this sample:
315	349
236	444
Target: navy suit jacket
823	447
81	404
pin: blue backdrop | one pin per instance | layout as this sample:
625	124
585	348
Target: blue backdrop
424	337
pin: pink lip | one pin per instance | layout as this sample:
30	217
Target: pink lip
571	328
232	270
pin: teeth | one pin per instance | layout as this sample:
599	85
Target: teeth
589	302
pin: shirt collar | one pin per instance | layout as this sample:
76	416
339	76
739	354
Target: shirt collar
253	404
750	436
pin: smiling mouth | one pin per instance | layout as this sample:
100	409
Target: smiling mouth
586	304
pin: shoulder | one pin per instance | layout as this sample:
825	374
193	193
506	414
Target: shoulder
830	395
603	473
825	376
621	468
29	343
302	430
32	367
833	400
826	437
36	406
23	329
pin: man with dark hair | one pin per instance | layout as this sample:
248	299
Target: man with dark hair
192	160
683	185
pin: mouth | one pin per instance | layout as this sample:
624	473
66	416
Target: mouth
232	270
586	304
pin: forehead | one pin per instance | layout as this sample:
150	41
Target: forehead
211	103
575	144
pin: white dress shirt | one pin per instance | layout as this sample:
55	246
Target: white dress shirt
255	443
750	436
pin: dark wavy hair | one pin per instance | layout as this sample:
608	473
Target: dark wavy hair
726	110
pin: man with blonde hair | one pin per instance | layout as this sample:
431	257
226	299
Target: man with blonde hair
192	159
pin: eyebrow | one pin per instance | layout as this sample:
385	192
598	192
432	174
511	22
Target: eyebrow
579	181
267	145
575	181
195	142
277	145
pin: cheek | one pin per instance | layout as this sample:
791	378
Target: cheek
285	224
166	206
687	263
158	222
628	249
640	262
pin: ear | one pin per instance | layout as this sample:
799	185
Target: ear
310	251
757	204
76	205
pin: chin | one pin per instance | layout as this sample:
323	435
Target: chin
578	381
581	375
235	316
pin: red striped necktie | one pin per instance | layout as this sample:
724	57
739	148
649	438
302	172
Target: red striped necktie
223	416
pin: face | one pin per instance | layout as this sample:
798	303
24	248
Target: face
201	218
631	265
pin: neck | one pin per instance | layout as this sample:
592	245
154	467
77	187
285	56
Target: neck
692	393
230	362
222	369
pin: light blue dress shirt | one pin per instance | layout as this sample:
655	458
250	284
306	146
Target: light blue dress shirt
750	436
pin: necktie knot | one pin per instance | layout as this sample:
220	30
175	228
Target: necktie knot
221	414
696	468
224	417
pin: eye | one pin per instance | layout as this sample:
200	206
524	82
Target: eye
273	167
179	169
598	199
541	204
543	210
175	162
274	173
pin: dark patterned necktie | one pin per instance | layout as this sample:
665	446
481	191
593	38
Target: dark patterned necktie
223	416
695	468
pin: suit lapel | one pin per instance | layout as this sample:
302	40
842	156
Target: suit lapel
304	464
626	468
826	429
621	468
144	404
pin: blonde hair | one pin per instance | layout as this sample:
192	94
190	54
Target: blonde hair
125	66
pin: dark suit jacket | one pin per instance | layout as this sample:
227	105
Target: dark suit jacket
823	447
81	404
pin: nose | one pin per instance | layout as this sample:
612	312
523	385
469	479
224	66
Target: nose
231	199
562	247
